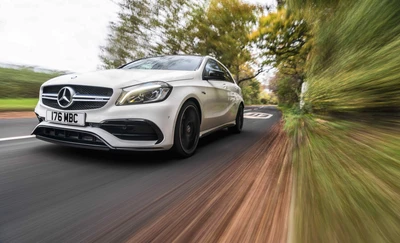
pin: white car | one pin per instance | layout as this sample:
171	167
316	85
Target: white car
155	103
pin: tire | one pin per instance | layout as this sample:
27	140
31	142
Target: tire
239	121
187	130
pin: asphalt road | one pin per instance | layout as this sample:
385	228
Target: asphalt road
50	193
16	127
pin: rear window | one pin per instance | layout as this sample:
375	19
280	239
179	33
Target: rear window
183	63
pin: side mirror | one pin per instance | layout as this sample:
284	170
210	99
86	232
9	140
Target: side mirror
215	74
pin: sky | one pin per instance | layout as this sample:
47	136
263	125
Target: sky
57	34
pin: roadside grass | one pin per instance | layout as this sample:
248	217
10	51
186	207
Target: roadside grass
26	104
346	180
26	75
346	155
22	83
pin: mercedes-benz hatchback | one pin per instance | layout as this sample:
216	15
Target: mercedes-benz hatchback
155	103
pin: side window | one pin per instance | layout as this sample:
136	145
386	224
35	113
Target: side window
227	75
211	65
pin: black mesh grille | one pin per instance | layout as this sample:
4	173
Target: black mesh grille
70	136
132	130
80	89
77	105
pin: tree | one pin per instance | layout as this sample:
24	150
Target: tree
353	64
268	98
170	21
286	88
251	91
251	87
284	41
128	38
222	30
146	28
219	28
280	3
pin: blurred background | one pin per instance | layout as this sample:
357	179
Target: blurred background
332	67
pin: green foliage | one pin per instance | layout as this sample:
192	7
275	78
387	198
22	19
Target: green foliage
287	89
251	92
219	28
128	38
21	83
347	170
346	179
172	22
268	98
284	41
24	104
222	30
311	6
146	28
354	65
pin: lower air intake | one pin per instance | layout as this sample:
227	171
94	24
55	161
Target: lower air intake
70	137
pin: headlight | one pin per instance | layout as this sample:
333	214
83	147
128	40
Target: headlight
144	93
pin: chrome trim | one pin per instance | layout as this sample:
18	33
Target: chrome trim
89	100
92	98
49	96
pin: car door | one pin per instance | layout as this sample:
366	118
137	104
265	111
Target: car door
217	106
234	94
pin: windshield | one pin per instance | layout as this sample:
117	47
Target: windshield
183	63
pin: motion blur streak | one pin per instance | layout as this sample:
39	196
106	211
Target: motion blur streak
50	193
247	202
347	148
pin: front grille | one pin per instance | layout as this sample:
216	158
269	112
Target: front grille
80	89
72	137
135	130
84	98
78	105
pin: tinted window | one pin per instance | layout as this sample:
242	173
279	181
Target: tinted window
212	65
227	75
183	63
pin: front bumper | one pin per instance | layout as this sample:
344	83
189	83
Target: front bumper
136	127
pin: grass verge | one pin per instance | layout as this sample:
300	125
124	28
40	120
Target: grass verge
346	180
22	83
27	104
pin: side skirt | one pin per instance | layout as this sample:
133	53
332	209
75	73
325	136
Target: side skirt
209	131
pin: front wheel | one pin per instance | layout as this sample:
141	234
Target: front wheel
239	121
187	130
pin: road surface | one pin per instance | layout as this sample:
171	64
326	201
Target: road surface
51	193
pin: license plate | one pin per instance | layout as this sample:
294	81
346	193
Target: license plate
69	118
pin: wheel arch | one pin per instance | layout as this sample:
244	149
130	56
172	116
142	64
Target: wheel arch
186	99
197	103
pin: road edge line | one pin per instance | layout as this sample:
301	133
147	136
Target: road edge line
16	138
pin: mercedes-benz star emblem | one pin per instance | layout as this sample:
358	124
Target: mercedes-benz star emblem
65	97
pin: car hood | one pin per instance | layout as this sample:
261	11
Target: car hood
120	78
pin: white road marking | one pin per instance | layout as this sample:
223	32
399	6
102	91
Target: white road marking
257	115
247	110
16	138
